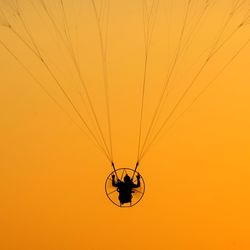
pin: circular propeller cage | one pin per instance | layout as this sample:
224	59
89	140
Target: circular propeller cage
112	191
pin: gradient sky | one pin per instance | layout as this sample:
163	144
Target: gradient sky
52	175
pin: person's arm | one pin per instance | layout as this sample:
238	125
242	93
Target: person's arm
114	183
138	181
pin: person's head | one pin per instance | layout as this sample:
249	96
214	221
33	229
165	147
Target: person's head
126	178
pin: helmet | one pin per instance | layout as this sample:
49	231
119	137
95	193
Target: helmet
126	178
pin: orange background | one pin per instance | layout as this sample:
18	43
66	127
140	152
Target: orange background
52	176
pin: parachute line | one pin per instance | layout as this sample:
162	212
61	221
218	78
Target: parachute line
214	51
103	47
165	89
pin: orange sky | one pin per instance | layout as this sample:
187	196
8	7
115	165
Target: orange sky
197	175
